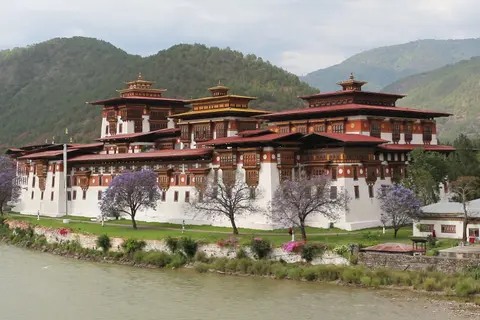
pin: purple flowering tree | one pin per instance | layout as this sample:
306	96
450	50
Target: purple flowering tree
9	187
399	206
130	192
296	200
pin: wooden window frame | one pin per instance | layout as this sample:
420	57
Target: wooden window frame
356	191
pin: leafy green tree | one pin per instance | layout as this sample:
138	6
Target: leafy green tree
464	161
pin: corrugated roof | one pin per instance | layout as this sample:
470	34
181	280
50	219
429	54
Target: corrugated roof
449	208
133	98
162	154
391	247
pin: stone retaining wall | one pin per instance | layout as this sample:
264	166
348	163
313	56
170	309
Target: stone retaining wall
211	250
416	263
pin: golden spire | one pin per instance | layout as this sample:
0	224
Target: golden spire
140	76
351	76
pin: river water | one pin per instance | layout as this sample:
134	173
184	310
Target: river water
41	286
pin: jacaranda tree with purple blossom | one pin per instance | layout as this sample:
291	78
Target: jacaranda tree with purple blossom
296	200
9	187
399	206
130	192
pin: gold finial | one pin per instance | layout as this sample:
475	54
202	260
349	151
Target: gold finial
66	131
351	76
71	139
219	82
139	76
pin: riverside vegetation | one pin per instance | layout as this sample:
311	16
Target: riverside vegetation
184	253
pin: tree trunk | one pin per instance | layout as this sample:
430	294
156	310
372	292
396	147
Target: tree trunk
464	237
302	229
395	231
134	223
234	226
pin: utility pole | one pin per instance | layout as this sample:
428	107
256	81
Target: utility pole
65	176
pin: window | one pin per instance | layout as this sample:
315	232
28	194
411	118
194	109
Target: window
396	132
100	180
375	129
473	232
53	182
54	168
177	180
175	196
382	172
33	182
338	128
69	195
284	129
355	173
220	130
120	128
449	228
106	129
164	196
187	196
252	193
408	133
184	133
333	192
427	134
319	127
99	194
32	194
188	179
69	181
425	227
41	196
371	194
74	194
334	173
51	196
84	195
357	192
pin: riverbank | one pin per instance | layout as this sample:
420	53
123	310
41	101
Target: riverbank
178	253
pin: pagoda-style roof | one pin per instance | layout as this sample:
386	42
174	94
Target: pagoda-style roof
139	91
168	155
142	136
341	138
221	112
49	150
350	110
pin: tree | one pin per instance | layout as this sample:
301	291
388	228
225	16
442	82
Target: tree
297	199
130	192
9	187
399	205
231	199
426	172
465	189
464	161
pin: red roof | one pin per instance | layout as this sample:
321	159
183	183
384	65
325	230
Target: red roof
162	154
409	147
352	107
349	137
249	133
341	92
86	145
139	134
46	154
134	98
263	138
391	247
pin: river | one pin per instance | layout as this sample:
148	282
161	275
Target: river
41	286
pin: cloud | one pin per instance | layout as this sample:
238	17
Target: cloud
298	35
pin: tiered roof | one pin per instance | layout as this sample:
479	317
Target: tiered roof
142	136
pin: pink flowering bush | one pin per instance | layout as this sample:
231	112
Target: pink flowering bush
64	232
293	246
228	243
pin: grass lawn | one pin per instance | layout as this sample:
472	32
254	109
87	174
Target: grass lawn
210	234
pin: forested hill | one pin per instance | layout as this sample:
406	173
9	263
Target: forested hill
382	66
44	87
454	88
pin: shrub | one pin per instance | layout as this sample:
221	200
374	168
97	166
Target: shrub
241	254
260	268
431	284
201	256
295	273
352	275
366	281
220	264
202	267
172	244
231	265
104	242
309	274
159	259
465	287
138	256
261	248
376	282
177	261
342	250
328	272
228	243
2	220
130	246
312	251
243	265
353	259
473	272
188	246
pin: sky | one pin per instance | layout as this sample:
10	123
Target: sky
298	35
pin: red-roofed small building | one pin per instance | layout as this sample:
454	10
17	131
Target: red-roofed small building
359	139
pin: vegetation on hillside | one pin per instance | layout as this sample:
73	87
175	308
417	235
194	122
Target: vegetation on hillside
453	88
384	65
44	87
